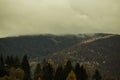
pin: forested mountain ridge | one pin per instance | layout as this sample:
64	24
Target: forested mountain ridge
103	52
99	51
39	45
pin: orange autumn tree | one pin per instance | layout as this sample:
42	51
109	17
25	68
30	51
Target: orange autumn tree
71	76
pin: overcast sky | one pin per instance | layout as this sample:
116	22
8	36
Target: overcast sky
23	17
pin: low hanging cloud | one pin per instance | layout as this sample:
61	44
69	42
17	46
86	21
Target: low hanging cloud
27	17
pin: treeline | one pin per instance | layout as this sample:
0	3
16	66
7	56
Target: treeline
12	68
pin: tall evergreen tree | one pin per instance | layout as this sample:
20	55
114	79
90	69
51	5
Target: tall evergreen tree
16	62
50	71
37	73
1	61
3	71
59	73
84	75
97	75
78	71
47	72
67	69
26	67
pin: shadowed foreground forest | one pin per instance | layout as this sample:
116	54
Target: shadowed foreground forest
11	68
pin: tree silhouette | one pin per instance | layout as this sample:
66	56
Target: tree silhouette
1	61
47	72
67	69
83	74
59	73
26	67
37	73
78	71
16	62
3	71
97	75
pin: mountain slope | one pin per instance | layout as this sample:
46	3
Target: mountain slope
38	45
104	51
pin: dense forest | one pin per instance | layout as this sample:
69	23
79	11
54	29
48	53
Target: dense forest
11	68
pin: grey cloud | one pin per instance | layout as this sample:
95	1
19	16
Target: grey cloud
22	17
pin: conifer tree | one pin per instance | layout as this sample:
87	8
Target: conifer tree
1	61
59	73
16	62
67	69
84	75
26	67
50	71
78	71
97	75
37	73
47	72
3	71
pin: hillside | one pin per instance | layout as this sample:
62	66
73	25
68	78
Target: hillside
39	45
102	52
97	50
